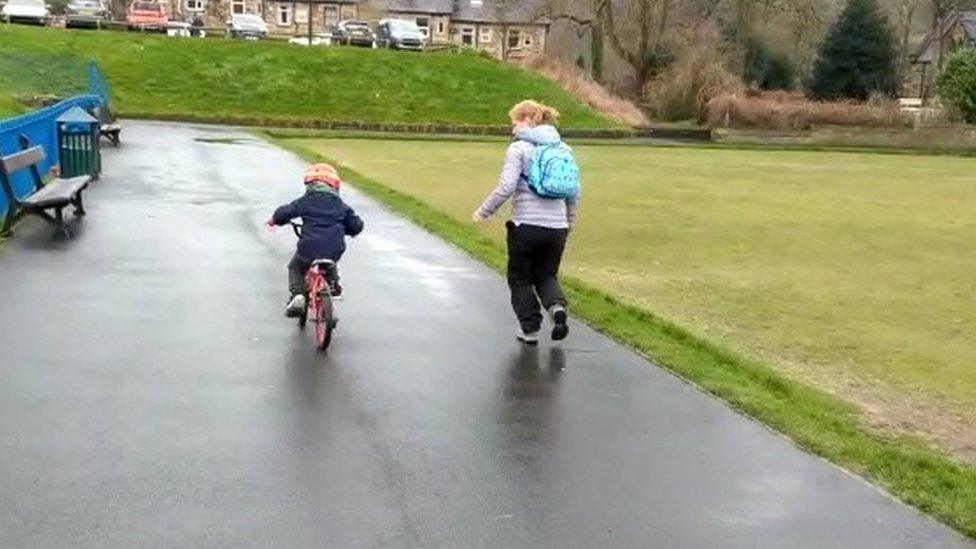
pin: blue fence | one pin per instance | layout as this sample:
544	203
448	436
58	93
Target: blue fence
40	127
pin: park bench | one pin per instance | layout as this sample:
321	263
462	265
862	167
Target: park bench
108	129
55	195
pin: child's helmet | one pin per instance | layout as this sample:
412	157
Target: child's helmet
323	173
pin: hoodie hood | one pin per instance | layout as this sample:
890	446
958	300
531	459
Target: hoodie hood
539	135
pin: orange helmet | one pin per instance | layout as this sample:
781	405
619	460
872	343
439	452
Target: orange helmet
323	173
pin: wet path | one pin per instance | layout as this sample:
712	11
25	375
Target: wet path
151	395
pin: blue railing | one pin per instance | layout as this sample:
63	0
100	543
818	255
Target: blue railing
41	129
97	85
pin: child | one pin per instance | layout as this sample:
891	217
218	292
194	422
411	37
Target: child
326	220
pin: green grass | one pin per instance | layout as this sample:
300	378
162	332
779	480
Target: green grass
28	73
217	79
832	266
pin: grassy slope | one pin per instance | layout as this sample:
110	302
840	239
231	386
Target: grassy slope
816	421
214	78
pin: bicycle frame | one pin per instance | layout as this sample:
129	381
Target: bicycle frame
318	290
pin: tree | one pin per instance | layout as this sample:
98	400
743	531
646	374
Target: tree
767	70
858	56
957	83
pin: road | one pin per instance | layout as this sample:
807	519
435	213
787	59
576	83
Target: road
153	395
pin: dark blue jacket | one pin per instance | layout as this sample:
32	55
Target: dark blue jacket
326	219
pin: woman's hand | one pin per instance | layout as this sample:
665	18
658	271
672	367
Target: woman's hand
477	217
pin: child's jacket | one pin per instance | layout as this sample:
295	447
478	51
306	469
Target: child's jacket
327	221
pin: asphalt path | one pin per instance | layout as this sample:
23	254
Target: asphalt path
153	395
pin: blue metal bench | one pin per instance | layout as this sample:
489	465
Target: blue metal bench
55	195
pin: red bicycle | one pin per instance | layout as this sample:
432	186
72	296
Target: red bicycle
319	307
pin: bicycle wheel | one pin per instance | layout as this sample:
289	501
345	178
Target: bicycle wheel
325	322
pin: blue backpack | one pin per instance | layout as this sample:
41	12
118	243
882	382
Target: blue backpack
553	172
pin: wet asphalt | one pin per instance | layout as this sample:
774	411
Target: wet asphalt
152	394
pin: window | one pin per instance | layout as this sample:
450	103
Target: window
527	40
194	5
349	12
237	7
467	36
514	39
423	23
440	27
284	14
331	15
485	35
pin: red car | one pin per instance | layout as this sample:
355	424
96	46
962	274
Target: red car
145	15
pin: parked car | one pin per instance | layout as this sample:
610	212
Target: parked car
26	11
401	34
317	40
146	15
354	33
247	26
86	13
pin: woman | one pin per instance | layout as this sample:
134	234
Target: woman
539	226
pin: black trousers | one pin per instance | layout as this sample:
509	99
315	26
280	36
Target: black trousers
297	268
534	255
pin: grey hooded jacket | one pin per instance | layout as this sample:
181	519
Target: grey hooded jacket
527	207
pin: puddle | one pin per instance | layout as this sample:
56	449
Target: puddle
223	140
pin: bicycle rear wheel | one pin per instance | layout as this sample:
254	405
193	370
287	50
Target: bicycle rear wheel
325	322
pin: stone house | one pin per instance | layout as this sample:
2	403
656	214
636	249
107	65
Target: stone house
505	28
955	30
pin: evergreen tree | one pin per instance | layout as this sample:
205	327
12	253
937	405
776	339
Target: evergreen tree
766	70
858	56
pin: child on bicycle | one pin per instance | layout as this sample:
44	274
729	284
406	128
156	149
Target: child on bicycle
326	221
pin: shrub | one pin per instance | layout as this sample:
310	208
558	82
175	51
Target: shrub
767	70
587	91
782	110
857	57
957	83
697	74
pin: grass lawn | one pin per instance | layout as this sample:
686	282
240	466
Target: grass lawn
851	271
279	82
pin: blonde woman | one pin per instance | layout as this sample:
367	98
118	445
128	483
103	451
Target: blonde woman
538	228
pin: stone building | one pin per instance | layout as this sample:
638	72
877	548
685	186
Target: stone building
954	31
505	28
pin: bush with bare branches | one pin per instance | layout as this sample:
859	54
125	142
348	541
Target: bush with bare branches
589	92
788	110
698	73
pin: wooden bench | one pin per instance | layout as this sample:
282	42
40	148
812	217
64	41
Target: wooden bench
56	195
108	129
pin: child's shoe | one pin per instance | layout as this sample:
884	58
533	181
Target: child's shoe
336	290
296	307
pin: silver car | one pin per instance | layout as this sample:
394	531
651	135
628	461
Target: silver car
86	13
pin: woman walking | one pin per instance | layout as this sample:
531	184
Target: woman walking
542	216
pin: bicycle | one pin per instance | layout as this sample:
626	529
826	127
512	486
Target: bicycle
318	297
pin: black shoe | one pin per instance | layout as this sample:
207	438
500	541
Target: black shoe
559	329
336	290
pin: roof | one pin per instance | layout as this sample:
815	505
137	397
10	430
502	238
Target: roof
500	11
472	11
416	6
964	18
